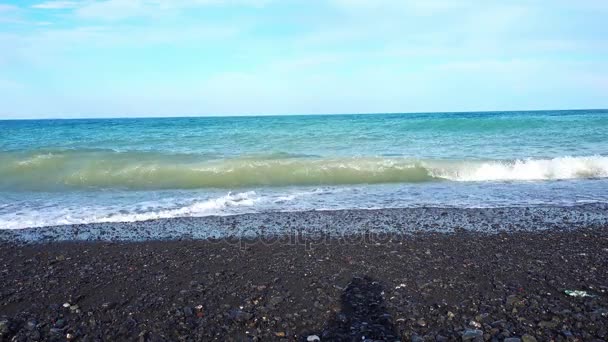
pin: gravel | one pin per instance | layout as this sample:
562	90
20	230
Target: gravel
424	286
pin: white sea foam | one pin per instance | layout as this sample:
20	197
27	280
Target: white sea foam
526	169
214	206
222	205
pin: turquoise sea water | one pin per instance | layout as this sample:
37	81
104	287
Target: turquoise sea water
79	171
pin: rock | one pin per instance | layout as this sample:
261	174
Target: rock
188	311
474	324
108	306
567	333
35	335
280	334
513	300
416	338
275	300
240	316
56	331
313	338
528	338
31	325
421	322
199	311
440	338
70	337
472	334
60	323
4	327
512	339
548	324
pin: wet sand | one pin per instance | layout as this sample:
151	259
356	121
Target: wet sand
421	286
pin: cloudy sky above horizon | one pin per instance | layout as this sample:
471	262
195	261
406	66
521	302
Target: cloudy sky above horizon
104	58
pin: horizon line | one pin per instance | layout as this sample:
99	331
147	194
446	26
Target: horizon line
296	114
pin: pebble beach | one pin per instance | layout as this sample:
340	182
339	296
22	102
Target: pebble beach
527	278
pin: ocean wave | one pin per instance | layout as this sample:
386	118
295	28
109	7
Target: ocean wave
57	171
213	206
528	169
222	205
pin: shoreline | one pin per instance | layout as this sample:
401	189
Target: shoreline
432	286
329	223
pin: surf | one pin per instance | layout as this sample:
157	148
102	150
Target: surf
47	171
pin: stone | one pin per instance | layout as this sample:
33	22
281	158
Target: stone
512	339
417	338
35	335
441	338
313	338
512	300
548	324
31	325
528	338
472	334
56	331
240	316
107	306
4	327
275	300
60	323
567	333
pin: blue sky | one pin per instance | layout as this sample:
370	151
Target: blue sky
96	58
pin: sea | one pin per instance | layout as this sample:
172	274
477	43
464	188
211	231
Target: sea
78	171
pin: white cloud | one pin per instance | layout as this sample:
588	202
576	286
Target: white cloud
114	9
399	6
10	85
9	14
7	8
58	5
364	55
122	9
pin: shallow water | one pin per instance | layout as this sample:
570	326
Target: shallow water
82	171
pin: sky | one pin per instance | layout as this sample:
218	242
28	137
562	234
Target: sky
128	58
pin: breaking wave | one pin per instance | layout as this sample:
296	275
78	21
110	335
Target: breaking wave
49	216
527	169
106	169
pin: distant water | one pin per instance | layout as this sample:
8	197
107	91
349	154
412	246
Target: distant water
81	171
